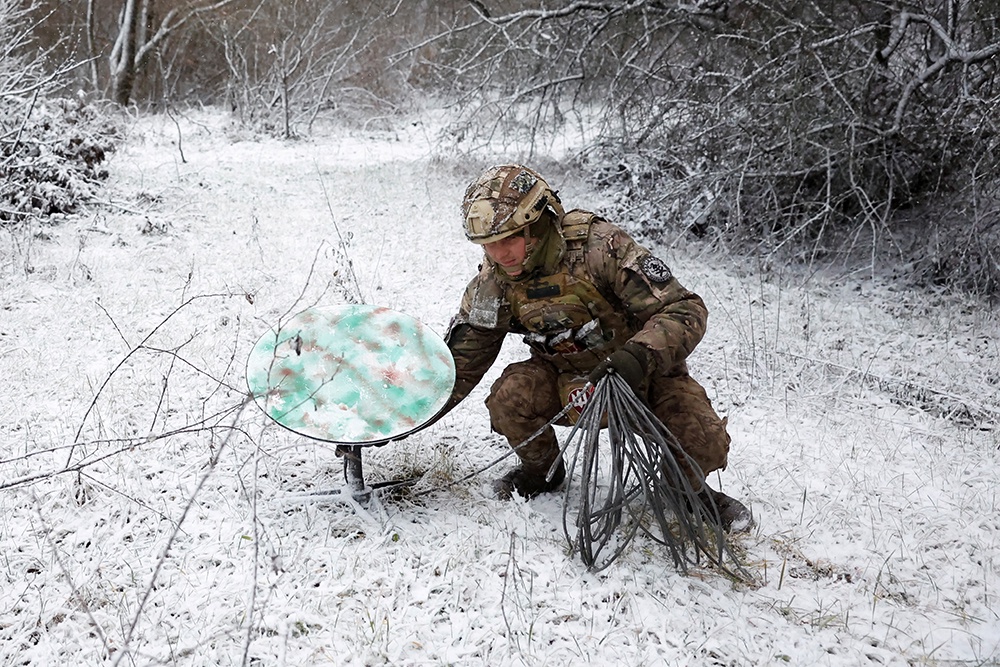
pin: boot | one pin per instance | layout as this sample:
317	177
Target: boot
734	517
527	484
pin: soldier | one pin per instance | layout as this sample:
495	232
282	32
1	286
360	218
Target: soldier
587	299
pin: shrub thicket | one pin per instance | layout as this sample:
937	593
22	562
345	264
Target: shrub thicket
816	132
51	149
53	162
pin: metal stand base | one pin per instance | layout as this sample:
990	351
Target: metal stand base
354	481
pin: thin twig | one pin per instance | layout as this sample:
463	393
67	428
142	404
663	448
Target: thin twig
125	359
128	445
212	462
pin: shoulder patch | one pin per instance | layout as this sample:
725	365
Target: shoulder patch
655	269
482	302
484	312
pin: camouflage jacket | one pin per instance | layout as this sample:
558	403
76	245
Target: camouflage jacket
606	291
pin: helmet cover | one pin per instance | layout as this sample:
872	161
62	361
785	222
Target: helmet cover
504	200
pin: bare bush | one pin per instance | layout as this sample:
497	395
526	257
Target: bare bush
290	62
51	150
56	163
800	132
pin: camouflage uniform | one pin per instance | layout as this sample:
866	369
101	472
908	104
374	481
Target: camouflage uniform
605	290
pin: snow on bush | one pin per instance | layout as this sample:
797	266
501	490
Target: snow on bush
52	156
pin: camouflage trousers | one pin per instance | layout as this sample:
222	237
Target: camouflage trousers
525	397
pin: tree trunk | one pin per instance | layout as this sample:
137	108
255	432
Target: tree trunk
123	65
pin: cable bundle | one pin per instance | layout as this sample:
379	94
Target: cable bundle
645	484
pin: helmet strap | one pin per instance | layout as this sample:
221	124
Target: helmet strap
543	252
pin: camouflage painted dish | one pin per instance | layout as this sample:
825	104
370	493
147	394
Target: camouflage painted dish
352	374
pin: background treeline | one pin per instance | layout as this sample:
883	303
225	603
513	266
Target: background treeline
850	132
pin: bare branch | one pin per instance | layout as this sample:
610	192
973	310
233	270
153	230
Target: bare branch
129	355
568	10
953	53
174	20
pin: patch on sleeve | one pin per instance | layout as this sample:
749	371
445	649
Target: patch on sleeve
483	317
484	310
655	269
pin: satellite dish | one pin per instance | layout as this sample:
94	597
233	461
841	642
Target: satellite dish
354	375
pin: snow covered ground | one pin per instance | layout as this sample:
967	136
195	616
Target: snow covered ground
144	517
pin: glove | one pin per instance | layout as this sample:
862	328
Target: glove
630	363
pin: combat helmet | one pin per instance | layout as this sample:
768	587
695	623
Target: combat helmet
506	199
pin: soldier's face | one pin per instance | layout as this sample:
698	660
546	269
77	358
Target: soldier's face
509	253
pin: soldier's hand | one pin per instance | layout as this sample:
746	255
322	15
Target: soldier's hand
630	363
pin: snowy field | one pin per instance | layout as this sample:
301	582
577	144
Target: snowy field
146	518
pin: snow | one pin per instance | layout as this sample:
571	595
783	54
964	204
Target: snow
863	415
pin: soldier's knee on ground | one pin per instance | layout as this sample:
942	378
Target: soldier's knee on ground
511	398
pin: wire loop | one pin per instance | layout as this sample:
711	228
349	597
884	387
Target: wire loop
640	484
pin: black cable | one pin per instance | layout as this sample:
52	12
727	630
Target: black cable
643	484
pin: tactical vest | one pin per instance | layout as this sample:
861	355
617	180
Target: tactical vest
565	318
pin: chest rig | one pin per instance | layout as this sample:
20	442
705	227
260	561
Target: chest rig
565	319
